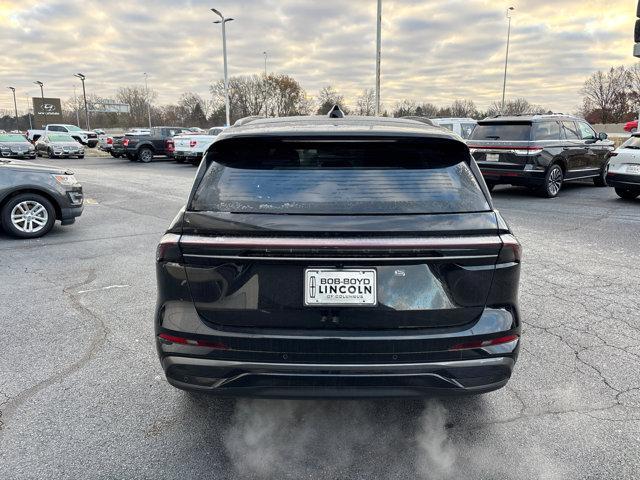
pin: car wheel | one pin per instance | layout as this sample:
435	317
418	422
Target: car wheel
145	155
552	181
80	156
627	194
601	179
49	153
28	215
179	159
132	158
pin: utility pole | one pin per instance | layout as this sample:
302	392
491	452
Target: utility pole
75	102
378	47
146	87
224	21
15	105
38	82
266	109
506	58
28	112
84	94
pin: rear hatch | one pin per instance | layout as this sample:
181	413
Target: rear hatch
501	144
350	233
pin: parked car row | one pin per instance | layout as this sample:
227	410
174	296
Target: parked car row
84	137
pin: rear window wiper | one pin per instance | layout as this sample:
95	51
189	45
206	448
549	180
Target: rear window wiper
493	137
633	147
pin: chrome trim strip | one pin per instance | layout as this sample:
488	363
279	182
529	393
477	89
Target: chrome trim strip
342	259
351	367
424	243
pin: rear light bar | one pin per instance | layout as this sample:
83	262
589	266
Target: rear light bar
517	150
168	339
168	249
484	343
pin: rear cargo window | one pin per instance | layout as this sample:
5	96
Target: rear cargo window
291	176
502	131
546	131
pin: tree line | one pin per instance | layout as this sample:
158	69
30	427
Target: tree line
610	96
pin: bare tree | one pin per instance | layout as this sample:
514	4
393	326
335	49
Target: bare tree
327	98
463	108
136	97
518	106
606	92
366	102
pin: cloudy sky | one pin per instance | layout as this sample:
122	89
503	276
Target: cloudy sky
432	51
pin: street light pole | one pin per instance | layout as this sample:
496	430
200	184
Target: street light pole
84	94
378	47
266	109
506	58
75	102
146	87
223	21
15	105
38	82
28	112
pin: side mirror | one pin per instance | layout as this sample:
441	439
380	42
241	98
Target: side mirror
602	136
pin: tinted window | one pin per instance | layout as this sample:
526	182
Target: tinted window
56	128
546	131
502	131
570	131
632	142
466	129
338	177
586	132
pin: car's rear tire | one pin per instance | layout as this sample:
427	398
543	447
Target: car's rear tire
131	157
145	155
80	156
179	159
627	194
553	180
28	215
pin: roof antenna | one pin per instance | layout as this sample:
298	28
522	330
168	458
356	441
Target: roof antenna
335	112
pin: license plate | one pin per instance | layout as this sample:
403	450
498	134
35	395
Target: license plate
633	169
492	157
324	287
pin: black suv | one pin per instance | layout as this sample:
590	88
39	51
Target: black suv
539	151
143	148
338	257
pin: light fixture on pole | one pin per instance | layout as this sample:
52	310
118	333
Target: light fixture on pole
15	105
146	88
378	47
506	58
84	94
223	21
38	82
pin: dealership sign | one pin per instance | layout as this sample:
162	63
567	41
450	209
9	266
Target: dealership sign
47	110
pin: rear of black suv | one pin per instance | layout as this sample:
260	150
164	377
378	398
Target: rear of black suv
539	151
338	259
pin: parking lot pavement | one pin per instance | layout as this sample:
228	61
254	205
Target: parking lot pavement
82	394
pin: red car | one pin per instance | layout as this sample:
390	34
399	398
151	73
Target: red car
631	126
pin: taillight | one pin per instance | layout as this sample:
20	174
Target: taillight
169	248
166	338
169	146
511	251
193	143
109	141
484	343
125	142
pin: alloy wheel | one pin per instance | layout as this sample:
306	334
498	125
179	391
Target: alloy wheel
555	181
29	216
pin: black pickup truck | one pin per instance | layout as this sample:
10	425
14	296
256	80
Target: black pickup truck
143	148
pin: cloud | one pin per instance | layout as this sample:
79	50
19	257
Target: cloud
432	51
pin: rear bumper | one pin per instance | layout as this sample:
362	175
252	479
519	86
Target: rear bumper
512	176
620	180
286	380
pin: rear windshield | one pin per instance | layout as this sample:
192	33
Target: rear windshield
631	143
12	137
502	131
335	177
61	138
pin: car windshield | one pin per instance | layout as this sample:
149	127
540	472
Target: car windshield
502	131
12	137
632	143
59	137
339	177
73	128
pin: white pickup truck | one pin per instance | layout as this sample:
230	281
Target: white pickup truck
190	147
83	136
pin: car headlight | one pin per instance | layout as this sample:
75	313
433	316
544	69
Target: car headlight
66	180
